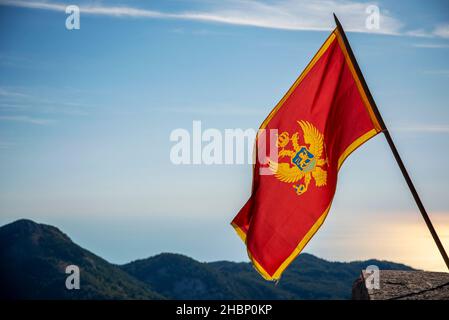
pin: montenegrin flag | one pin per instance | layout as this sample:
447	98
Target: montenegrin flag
324	116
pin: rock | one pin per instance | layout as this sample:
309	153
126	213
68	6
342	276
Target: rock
402	285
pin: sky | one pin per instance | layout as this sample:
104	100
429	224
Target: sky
86	116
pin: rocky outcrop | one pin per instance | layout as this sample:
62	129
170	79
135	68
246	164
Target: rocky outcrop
402	285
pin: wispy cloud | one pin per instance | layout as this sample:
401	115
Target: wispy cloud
27	119
286	14
437	72
20	100
215	111
15	61
6	145
12	94
425	128
431	45
200	32
442	31
419	33
11	106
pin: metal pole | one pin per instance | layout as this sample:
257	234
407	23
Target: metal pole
393	147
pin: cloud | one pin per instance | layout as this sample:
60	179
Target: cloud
286	14
27	119
20	100
437	72
215	111
15	61
425	128
431	45
419	33
6	145
442	31
302	15
11	94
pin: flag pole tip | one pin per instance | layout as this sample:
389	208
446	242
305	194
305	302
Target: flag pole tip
337	22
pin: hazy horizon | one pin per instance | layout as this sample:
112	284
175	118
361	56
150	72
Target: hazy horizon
415	247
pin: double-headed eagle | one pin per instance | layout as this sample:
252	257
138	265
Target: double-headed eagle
305	162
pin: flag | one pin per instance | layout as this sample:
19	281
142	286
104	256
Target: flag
326	114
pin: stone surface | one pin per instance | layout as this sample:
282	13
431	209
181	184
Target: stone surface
403	285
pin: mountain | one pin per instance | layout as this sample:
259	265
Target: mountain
34	257
308	277
33	261
179	277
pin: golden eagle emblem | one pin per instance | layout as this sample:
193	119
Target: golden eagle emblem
305	162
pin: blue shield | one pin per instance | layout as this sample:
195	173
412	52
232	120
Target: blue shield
304	160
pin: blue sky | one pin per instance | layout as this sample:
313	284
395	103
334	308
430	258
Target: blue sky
85	119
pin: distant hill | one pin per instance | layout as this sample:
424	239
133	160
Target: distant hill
179	277
33	260
308	277
34	256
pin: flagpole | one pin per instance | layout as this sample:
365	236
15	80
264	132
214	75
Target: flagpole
393	147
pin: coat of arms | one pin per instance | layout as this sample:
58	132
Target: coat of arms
305	162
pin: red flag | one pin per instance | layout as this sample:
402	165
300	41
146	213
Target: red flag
325	116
